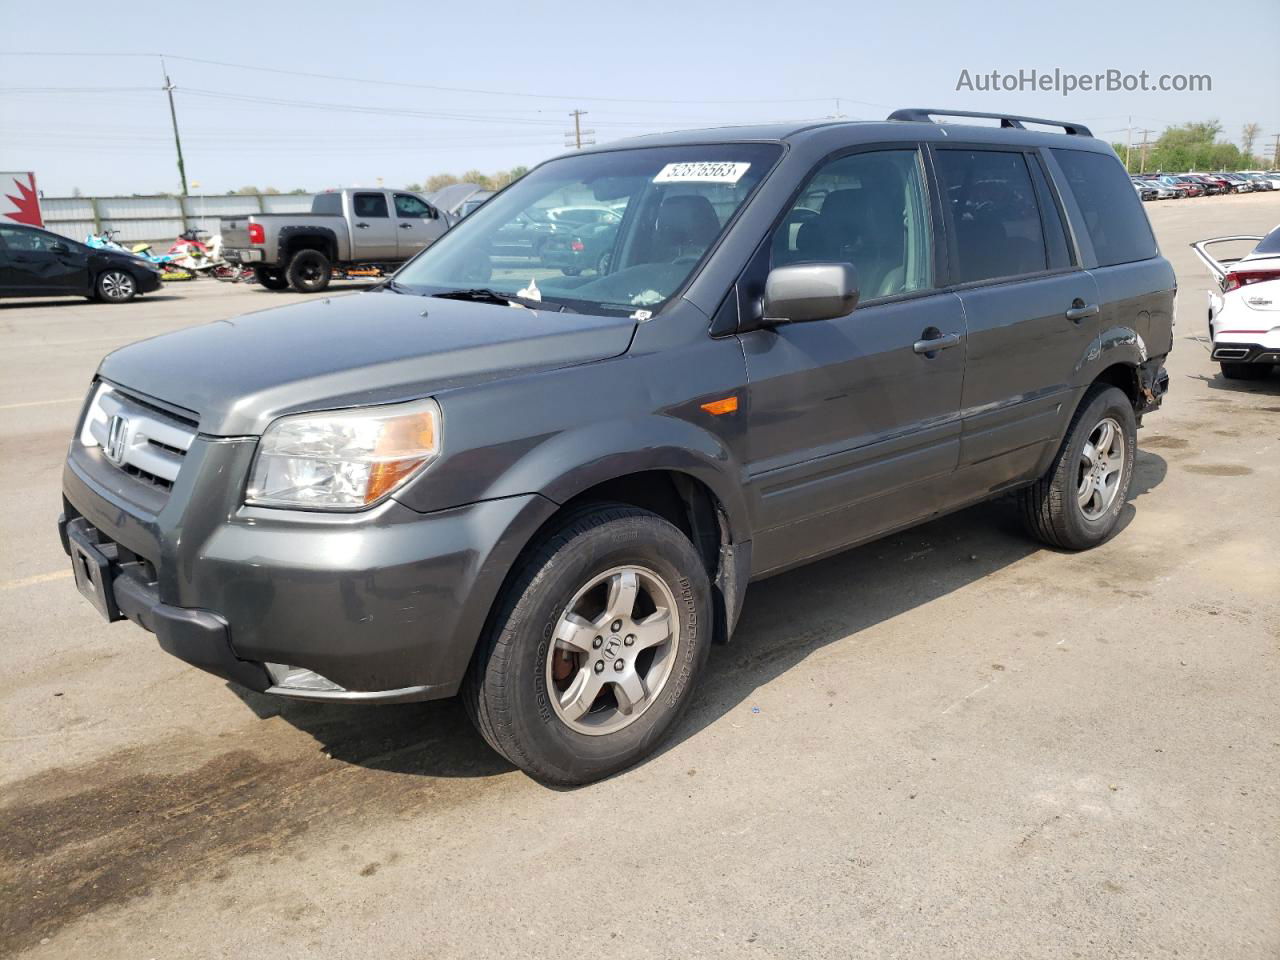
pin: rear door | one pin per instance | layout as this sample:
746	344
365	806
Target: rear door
418	224
373	231
1030	308
854	422
1135	284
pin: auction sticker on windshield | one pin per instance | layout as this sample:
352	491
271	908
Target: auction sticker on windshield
702	172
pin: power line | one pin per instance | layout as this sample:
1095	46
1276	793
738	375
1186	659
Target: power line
427	86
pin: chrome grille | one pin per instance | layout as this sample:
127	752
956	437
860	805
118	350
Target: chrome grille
143	441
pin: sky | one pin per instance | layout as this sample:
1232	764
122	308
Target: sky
411	90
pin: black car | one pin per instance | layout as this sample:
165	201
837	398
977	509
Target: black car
588	247
550	497
37	263
524	235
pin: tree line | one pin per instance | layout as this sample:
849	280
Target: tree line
485	181
1195	146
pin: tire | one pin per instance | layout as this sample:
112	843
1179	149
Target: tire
571	271
272	278
518	688
1052	507
309	271
1245	371
115	286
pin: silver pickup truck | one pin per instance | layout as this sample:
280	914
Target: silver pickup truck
350	227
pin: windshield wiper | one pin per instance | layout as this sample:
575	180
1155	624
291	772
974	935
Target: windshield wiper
485	295
391	284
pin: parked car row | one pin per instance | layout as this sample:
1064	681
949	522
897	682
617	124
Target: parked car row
1170	186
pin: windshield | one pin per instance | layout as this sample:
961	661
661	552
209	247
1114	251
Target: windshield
608	232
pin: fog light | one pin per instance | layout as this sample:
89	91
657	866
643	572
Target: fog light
289	677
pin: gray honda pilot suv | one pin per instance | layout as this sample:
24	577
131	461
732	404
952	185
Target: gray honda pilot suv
548	493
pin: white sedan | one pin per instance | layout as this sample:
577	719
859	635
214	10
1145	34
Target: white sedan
1244	313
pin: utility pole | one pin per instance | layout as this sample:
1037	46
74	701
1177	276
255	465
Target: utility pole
1143	145
1128	145
173	115
574	137
1275	158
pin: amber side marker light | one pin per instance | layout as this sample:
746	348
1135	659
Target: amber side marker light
719	408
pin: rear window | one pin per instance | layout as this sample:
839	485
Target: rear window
330	204
1112	212
993	214
1270	243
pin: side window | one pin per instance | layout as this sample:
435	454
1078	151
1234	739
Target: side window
993	215
868	209
1113	214
25	241
412	208
1055	230
369	205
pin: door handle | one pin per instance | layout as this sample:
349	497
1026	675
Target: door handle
362	225
933	344
1079	310
406	226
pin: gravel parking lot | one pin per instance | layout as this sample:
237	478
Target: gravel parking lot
952	743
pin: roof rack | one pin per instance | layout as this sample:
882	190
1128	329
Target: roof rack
1006	119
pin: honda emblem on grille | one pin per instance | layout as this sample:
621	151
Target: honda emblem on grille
117	439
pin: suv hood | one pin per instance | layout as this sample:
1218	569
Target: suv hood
238	375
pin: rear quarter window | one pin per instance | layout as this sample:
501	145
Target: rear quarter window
1112	211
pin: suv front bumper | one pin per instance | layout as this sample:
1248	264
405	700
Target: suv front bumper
387	605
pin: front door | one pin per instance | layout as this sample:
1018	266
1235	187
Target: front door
373	232
39	263
854	422
418	224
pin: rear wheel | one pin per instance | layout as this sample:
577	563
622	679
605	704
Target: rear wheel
309	271
1245	371
272	278
595	648
116	286
1077	504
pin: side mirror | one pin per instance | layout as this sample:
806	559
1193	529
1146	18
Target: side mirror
810	291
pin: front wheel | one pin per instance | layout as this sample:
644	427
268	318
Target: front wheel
116	286
1077	504
1245	371
595	648
309	271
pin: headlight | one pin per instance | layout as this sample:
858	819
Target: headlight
346	459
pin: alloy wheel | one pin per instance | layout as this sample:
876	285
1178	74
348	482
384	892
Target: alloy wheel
613	650
1101	469
117	286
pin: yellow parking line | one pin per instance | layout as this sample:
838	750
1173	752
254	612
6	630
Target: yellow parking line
32	581
39	403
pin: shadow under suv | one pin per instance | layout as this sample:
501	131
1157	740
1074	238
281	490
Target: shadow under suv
549	493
